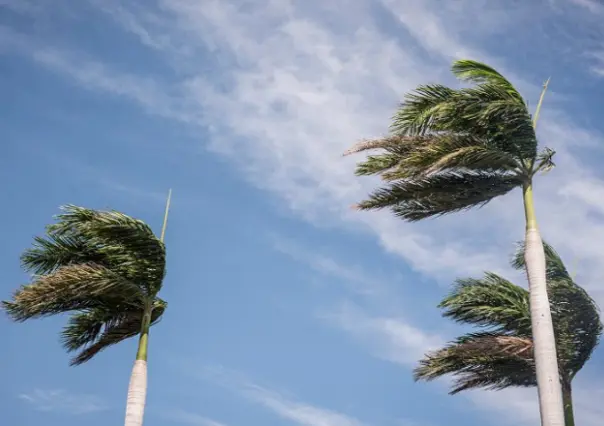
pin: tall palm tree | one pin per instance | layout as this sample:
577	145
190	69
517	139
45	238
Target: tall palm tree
104	269
454	149
501	355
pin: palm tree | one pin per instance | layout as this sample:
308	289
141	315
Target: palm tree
104	269
454	149
501	355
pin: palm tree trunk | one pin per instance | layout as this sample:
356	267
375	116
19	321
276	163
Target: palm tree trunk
567	395
137	390
546	362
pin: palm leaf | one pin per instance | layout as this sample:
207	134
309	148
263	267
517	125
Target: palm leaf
555	268
481	360
128	244
407	156
94	330
54	251
422	109
492	302
577	324
70	288
433	195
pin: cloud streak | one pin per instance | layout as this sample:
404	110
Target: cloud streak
192	419
63	401
279	403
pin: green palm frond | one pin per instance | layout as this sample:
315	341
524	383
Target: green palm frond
481	360
422	110
407	157
54	251
438	194
491	301
70	288
93	330
127	245
577	324
479	73
555	268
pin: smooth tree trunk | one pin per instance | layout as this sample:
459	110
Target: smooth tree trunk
137	390
567	396
551	406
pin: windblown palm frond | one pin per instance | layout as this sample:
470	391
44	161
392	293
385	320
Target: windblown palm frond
71	288
453	149
128	245
92	331
434	195
492	302
487	360
502	356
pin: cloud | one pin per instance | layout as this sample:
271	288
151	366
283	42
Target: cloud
62	401
281	404
353	276
192	419
393	339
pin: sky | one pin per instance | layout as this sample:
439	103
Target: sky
286	307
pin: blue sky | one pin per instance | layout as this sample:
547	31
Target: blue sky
286	307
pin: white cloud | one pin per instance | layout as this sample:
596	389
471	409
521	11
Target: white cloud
192	419
62	401
353	276
281	404
390	338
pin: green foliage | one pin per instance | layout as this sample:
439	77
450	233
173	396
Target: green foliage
501	355
101	267
454	149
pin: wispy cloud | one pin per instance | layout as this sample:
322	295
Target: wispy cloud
353	276
189	418
63	401
280	403
390	338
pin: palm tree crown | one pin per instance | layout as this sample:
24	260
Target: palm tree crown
501	354
453	149
103	268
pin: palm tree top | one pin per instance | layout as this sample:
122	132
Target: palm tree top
101	267
453	149
500	354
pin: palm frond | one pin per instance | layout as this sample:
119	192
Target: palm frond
76	287
438	194
50	253
555	268
491	301
492	110
422	109
410	156
479	73
128	244
577	324
125	327
481	360
94	330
